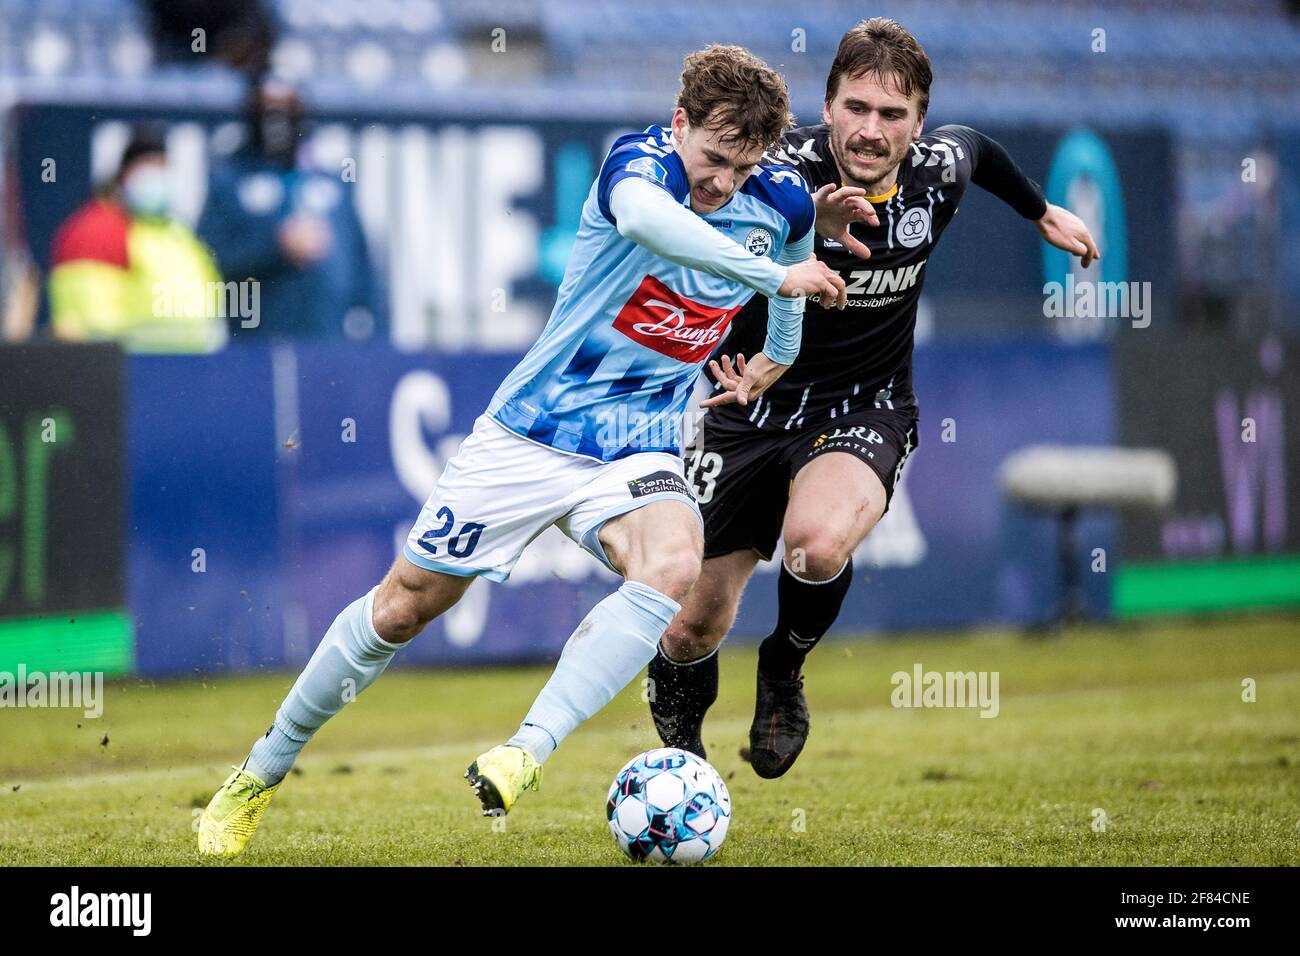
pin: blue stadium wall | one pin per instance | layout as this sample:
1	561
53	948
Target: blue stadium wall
174	515
253	519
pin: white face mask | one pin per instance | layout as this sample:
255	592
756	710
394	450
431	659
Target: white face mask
147	192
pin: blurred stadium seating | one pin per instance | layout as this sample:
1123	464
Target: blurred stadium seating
1210	70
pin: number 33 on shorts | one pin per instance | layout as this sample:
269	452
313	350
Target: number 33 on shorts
702	470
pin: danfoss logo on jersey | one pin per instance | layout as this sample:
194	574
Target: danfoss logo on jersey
672	324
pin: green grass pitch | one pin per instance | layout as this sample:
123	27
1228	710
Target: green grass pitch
1145	723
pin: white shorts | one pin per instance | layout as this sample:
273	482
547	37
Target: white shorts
501	491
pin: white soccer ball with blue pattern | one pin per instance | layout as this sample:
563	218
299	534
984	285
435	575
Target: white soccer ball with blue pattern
669	806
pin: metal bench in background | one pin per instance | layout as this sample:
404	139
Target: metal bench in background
1063	480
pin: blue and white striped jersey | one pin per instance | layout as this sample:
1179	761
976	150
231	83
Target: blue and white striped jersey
614	367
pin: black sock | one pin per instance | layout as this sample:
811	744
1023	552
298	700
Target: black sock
682	693
806	611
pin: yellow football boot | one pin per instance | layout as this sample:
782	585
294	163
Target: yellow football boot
501	775
232	816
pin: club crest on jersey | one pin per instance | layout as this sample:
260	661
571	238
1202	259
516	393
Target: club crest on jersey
913	228
759	241
671	324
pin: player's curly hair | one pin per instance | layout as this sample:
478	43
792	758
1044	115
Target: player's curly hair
730	89
886	49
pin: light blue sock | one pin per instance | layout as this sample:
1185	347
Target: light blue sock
608	649
348	659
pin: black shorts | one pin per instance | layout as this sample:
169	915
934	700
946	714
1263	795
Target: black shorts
742	474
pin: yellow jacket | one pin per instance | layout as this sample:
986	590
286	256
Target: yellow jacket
147	283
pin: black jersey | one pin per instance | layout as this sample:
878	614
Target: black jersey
862	357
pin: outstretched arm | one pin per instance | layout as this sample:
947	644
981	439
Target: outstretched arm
994	169
785	312
652	219
744	381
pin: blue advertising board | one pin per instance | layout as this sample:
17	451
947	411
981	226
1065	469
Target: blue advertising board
272	486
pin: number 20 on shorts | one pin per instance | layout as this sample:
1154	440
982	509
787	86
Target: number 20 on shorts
459	545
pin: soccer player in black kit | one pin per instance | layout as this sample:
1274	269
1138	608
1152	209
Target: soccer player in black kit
815	458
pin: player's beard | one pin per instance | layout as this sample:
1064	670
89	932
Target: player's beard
873	179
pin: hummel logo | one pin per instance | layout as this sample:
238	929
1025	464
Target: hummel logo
943	151
787	176
806	152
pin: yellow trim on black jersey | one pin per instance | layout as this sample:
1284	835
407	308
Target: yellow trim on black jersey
893	191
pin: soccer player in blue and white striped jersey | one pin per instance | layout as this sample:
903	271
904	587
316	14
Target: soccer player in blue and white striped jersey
682	226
